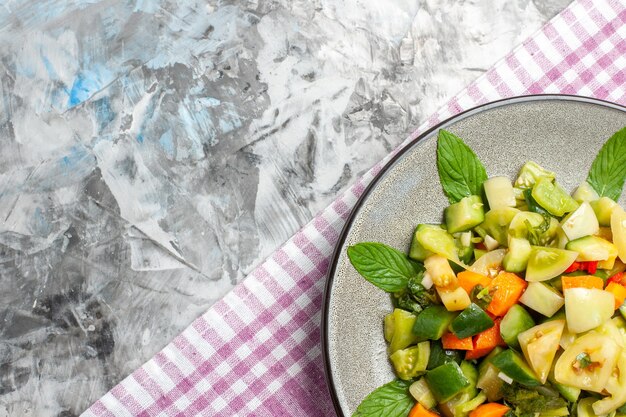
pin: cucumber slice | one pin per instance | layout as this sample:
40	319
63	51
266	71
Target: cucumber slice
517	256
585	192
592	248
488	379
496	224
603	209
581	222
499	192
514	322
471	373
584	407
465	214
446	381
553	198
411	362
530	173
540	344
546	263
542	298
471	321
514	366
587	308
440	356
432	323
618	228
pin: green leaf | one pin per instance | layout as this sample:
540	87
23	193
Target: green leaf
608	171
383	266
460	172
390	400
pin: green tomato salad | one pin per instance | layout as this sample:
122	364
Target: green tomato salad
513	306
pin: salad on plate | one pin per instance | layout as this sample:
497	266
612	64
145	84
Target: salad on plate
515	304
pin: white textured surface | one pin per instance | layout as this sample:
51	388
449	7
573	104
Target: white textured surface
153	153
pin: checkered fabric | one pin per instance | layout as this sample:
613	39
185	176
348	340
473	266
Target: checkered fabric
257	351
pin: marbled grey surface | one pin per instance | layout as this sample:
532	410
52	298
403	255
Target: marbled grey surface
153	152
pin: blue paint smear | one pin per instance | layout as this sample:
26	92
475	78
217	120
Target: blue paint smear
104	112
40	223
167	143
49	68
87	83
140	138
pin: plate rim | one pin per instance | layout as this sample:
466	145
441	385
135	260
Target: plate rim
332	268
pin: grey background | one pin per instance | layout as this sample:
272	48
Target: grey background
153	152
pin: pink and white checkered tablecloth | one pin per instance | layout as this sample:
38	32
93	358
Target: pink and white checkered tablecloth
257	352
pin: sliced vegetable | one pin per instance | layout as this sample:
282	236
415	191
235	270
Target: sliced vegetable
469	279
588	363
419	410
615	386
585	192
499	192
516	321
420	391
432	239
454	299
451	341
488	379
603	209
514	366
446	381
618	228
471	321
486	341
516	258
440	271
553	198
389	326
403	330
546	263
465	214
540	344
490	263
530	173
412	361
581	281
505	290
538	229
439	355
542	298
490	410
619	292
432	323
586	308
470	406
592	248
496	224
581	222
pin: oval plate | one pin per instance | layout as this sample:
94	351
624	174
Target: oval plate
561	133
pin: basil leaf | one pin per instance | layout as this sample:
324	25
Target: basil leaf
608	171
386	267
390	400
460	172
